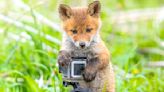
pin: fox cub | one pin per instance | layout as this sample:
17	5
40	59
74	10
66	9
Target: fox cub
81	38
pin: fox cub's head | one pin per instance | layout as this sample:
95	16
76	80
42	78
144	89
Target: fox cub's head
81	24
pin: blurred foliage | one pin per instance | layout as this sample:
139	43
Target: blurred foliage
30	38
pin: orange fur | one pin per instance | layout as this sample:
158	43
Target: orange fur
80	20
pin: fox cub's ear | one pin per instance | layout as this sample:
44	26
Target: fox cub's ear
64	11
94	9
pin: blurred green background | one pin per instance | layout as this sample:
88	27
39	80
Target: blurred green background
30	37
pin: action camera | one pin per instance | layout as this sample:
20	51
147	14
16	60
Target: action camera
74	69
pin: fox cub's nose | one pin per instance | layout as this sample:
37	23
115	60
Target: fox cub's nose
82	44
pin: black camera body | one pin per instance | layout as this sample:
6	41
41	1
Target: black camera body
72	74
73	71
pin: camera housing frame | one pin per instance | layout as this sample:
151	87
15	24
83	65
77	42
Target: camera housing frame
74	69
73	63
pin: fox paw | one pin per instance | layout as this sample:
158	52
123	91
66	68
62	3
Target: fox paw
64	58
89	75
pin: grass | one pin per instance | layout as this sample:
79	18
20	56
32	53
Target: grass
30	39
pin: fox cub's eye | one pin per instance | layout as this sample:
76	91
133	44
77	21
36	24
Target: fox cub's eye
74	31
88	29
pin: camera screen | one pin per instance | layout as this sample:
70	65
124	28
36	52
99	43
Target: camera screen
78	68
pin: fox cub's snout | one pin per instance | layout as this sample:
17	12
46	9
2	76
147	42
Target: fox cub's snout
81	24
